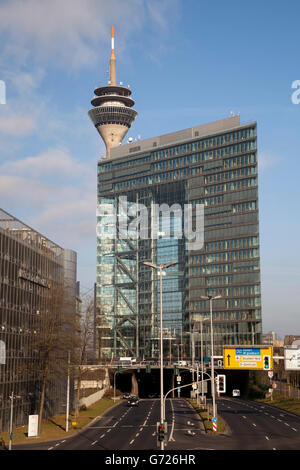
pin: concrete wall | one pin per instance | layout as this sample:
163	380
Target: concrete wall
88	401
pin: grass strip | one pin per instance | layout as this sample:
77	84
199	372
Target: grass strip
207	422
55	427
282	402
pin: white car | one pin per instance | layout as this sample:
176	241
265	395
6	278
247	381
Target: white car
236	393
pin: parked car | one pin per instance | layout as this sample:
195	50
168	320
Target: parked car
133	401
236	392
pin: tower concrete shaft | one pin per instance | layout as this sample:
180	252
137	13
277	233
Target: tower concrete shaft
112	112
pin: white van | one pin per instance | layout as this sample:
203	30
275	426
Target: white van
236	393
180	363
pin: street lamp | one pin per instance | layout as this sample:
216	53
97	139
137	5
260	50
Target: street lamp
211	298
12	398
202	361
160	268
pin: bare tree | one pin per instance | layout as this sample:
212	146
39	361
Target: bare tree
57	335
86	344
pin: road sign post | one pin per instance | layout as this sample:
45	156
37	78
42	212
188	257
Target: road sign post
214	424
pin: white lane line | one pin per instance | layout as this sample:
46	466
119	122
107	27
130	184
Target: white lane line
50	448
93	443
101	437
245	417
254	424
108	430
63	440
294	429
171	438
137	434
287	424
267	438
131	442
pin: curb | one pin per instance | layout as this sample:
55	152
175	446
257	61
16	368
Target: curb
71	435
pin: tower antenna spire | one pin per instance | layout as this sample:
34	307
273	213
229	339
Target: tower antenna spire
112	63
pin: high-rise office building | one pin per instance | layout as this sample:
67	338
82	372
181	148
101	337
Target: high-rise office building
32	269
212	167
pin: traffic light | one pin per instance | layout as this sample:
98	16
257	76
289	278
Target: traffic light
221	383
267	362
161	431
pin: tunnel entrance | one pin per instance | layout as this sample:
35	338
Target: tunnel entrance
149	383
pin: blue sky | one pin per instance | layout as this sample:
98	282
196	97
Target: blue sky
187	62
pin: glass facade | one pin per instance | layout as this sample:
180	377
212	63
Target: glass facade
29	265
218	171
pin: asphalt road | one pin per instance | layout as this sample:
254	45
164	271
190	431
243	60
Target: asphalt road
250	426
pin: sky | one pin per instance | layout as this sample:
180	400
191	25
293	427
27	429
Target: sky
188	62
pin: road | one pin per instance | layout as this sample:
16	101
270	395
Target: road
257	426
250	426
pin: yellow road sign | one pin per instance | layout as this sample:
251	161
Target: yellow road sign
248	357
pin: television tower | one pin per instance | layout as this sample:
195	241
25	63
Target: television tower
112	114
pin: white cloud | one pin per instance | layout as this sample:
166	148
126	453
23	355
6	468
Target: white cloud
267	160
17	125
56	194
71	31
68	31
54	162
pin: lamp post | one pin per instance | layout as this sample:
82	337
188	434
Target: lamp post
202	359
211	298
12	398
68	394
160	268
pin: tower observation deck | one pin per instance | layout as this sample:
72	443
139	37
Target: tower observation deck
112	112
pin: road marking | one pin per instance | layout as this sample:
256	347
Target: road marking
294	429
93	443
131	442
137	434
245	417
108	430
102	436
171	438
63	440
267	438
50	448
254	424
287	424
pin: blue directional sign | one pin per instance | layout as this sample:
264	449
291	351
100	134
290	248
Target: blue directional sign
247	351
214	420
